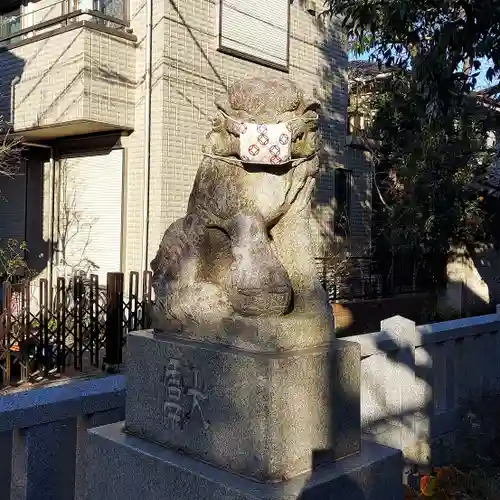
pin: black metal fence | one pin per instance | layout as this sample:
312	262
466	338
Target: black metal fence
80	324
361	278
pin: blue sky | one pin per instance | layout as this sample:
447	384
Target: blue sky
481	83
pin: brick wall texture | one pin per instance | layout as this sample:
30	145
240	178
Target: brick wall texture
188	75
85	74
359	163
80	74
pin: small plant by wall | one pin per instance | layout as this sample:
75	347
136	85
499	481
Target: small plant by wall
473	469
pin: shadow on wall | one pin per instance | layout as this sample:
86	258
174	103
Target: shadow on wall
62	101
12	70
487	263
473	282
22	194
333	126
343	223
13	172
343	426
39	250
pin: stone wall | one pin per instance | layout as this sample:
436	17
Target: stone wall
414	380
43	436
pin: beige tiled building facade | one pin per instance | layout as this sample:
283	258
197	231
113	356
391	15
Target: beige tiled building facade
113	99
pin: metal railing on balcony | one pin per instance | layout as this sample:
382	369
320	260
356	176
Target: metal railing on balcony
26	23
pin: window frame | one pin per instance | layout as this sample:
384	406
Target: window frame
125	10
344	215
17	12
249	57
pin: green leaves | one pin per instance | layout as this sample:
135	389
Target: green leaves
12	258
428	160
431	129
432	37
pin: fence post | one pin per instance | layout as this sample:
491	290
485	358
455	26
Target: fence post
399	382
94	319
114	322
61	332
133	298
5	349
43	330
147	289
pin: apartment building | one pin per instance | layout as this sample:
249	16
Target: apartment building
113	99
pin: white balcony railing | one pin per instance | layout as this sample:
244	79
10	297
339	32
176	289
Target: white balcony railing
31	21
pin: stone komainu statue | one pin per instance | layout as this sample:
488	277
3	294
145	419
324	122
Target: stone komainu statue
244	249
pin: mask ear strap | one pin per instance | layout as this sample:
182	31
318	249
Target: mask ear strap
303	119
232	161
236	127
297	118
239	163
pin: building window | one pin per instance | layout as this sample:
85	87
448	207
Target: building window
112	8
10	22
354	123
343	183
257	30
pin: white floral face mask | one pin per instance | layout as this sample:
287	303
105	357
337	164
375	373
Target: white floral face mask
268	144
264	144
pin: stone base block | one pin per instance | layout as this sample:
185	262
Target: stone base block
123	467
259	414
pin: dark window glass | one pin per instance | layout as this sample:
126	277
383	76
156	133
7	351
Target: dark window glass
343	185
112	8
10	22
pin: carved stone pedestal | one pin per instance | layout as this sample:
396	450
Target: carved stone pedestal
207	421
260	414
124	467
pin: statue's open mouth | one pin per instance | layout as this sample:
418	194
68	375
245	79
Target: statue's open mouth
254	292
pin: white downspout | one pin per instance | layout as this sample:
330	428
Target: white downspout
13	84
147	138
52	180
